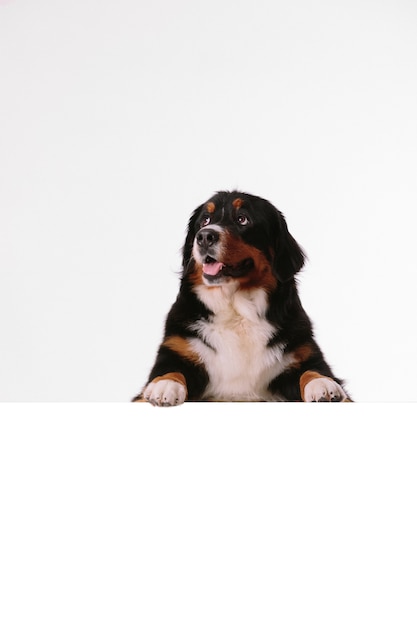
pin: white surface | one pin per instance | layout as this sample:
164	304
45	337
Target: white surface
283	514
119	118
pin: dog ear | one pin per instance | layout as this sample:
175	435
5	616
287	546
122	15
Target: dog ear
289	257
189	239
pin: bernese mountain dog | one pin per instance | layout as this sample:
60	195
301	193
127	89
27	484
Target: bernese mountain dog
237	330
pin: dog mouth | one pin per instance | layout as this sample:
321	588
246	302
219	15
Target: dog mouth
213	269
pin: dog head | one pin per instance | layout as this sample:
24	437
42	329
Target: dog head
239	237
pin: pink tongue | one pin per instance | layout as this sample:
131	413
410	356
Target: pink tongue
211	269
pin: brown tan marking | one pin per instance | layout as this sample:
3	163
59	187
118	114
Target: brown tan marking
306	378
261	275
237	203
301	354
177	377
196	276
181	346
210	206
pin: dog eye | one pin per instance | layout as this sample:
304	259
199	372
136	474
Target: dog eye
205	221
242	219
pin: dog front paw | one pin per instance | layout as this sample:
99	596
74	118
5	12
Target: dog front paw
168	390
317	388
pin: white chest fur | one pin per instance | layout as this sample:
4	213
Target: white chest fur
233	344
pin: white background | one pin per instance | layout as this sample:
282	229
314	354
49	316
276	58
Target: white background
119	118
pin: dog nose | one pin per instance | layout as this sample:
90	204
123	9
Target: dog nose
207	237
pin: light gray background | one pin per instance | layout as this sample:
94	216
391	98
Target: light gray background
119	118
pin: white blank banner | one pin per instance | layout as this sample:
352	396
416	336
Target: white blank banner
208	514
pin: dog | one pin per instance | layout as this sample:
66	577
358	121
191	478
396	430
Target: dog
237	330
